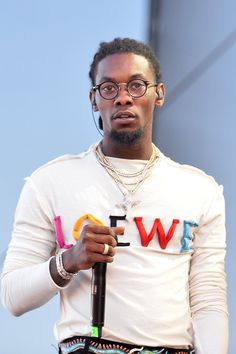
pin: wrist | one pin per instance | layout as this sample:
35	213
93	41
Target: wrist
70	261
62	266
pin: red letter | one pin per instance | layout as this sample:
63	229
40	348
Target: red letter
157	226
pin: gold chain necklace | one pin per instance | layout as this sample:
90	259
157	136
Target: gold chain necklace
127	191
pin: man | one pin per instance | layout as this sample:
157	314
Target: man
158	225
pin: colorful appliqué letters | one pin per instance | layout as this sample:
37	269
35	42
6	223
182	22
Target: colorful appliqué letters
145	237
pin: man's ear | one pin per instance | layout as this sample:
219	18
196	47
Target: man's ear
93	101
160	92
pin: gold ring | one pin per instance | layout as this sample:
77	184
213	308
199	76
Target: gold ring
106	248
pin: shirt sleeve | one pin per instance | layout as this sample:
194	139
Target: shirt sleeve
26	282
208	298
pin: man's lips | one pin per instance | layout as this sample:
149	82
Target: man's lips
123	115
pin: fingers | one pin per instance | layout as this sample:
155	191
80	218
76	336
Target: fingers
102	234
106	230
103	249
96	244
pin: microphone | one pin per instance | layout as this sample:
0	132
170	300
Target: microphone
98	292
98	288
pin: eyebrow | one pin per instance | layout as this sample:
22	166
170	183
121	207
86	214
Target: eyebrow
135	76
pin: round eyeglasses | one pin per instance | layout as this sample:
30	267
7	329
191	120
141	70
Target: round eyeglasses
136	88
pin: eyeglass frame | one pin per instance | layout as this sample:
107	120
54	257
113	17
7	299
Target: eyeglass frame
147	83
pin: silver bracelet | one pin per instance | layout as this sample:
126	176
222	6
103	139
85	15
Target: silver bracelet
60	268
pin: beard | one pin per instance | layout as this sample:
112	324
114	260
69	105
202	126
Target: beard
126	138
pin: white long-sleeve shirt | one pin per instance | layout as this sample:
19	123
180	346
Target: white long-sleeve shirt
167	288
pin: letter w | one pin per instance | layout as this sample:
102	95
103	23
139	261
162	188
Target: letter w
157	227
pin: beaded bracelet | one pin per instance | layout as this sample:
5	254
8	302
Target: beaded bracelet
60	268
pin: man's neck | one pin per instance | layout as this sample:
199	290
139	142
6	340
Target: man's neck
138	151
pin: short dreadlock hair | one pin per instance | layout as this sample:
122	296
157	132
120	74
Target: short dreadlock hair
125	45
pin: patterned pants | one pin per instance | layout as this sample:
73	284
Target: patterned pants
90	345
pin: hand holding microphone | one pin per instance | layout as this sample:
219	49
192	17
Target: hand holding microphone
90	248
98	293
94	249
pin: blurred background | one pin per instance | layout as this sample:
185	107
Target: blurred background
46	48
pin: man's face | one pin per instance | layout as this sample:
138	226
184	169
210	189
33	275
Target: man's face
126	118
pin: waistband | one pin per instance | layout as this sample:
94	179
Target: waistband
93	345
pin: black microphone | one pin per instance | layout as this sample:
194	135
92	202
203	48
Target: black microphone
98	292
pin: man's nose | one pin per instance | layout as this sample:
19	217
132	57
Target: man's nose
123	97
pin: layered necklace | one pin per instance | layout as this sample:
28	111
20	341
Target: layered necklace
128	183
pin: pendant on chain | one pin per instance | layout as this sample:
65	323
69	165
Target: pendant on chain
128	204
